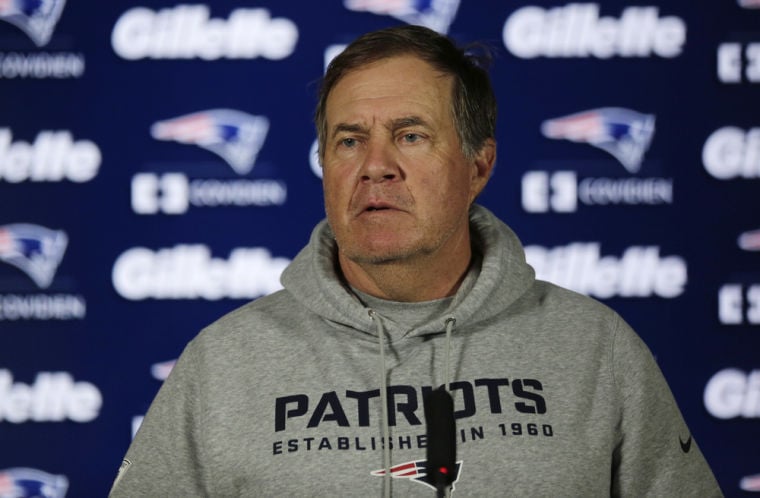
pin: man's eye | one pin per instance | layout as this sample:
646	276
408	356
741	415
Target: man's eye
410	137
348	142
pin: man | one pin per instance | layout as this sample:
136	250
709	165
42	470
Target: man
318	389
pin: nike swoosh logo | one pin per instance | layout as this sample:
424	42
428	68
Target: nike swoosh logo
685	445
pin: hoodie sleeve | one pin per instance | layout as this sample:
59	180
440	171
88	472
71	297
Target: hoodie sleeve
656	454
164	458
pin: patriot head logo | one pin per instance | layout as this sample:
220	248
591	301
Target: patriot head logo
161	371
233	135
749	4
35	250
434	14
750	483
624	133
416	471
22	482
750	240
36	18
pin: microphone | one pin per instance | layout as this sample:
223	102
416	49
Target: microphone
441	440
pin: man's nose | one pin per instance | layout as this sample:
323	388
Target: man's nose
380	163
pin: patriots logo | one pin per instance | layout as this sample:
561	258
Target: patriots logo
750	240
434	14
161	371
36	18
749	4
416	470
750	483
35	250
624	133
233	135
31	483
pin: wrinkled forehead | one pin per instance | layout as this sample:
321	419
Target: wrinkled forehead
405	84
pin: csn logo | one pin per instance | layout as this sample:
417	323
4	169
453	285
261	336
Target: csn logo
434	14
189	32
738	62
233	136
578	30
622	133
739	302
37	19
731	153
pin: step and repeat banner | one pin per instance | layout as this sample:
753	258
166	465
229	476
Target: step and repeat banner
158	169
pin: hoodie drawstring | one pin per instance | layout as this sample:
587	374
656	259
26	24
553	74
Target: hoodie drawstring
384	403
450	323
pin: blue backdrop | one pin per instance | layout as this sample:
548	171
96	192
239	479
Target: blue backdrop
157	170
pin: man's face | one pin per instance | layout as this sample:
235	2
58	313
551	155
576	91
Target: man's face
397	186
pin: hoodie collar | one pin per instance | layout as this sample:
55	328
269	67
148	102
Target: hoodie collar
314	280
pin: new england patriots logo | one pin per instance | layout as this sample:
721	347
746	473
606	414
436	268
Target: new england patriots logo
35	250
31	483
750	240
233	135
750	483
36	18
624	133
416	470
434	14
161	371
749	4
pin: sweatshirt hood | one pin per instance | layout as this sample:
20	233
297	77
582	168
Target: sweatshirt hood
315	281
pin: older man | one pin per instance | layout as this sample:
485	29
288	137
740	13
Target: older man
318	389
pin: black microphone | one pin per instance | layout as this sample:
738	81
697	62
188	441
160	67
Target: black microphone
441	440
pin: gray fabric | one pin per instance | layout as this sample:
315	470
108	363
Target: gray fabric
554	394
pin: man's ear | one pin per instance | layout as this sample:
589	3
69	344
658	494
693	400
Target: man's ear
482	165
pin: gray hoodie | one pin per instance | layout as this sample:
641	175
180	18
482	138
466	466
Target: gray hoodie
554	395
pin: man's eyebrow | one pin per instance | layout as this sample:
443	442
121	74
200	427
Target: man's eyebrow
348	128
394	124
407	121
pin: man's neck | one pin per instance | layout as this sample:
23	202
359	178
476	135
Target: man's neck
404	281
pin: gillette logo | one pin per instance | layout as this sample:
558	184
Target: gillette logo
639	272
577	30
53	157
188	31
54	397
434	14
188	271
732	393
36	18
732	152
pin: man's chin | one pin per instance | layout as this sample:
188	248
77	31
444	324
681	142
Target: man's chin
379	255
